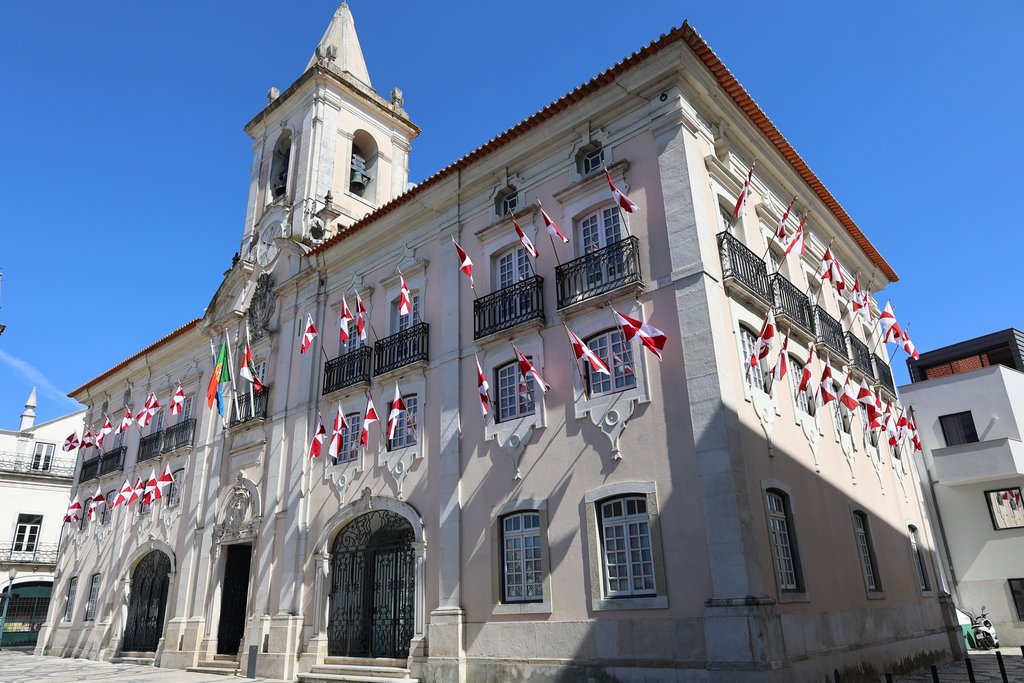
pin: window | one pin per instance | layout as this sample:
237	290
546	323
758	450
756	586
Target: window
405	429
350	438
42	458
174	490
106	514
725	214
515	395
600	229
278	180
617	354
69	600
83	523
26	533
94	594
144	508
363	166
627	560
782	540
401	322
862	534
507	201
186	411
521	543
158	423
511	266
919	560
1017	590
1006	508
802	399
841	423
590	158
754	375
958	428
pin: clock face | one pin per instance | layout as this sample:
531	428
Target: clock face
266	250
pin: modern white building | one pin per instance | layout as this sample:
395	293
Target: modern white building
676	520
35	484
969	403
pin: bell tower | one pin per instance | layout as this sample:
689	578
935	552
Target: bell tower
326	151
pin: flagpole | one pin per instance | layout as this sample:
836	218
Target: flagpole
893	355
248	346
533	266
231	362
213	354
881	332
550	237
810	282
622	333
782	224
576	362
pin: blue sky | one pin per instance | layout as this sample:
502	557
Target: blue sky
125	164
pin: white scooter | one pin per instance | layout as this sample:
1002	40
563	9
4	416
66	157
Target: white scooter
984	631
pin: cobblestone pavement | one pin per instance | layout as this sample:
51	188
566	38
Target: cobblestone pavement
986	669
19	667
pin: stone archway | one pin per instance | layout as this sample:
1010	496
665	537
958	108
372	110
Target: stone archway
147	603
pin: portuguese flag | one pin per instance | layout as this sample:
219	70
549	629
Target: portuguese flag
221	373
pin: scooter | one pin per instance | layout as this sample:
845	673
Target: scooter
984	631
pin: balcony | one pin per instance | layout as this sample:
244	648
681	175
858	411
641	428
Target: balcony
247	409
407	347
830	332
15	553
743	270
90	469
599	272
860	355
112	460
348	369
979	462
883	373
39	467
179	436
791	304
508	307
149	446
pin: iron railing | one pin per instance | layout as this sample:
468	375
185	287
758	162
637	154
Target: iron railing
860	355
28	553
149	446
792	304
247	409
598	272
348	369
112	460
508	307
398	350
42	467
179	436
744	266
829	331
883	373
90	468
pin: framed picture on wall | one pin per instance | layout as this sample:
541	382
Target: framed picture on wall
1006	508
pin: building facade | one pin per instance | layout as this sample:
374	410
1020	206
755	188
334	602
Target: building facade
969	402
35	481
674	520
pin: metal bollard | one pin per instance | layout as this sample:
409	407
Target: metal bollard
970	670
935	675
1002	667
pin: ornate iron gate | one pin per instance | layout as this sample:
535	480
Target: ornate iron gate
147	603
373	587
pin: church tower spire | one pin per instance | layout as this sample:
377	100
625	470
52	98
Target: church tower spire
340	45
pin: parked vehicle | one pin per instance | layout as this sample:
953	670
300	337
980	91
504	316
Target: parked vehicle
982	630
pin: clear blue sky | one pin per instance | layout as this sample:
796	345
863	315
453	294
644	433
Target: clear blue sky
125	165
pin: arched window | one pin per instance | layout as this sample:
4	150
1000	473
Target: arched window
866	549
783	541
617	354
507	201
363	167
919	560
590	158
279	164
522	571
515	395
802	399
754	376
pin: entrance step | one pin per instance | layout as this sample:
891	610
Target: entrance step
225	665
358	673
139	658
225	658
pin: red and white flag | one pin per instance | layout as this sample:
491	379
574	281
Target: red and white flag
624	202
149	410
309	335
248	369
465	264
482	388
889	421
404	297
831	270
95	502
343	320
742	199
765	340
70	443
164	481
527	244
902	426
552	226
360	318
337	434
178	401
915	436
626	368
908	345
526	369
581	350
88	439
368	419
151	492
797	243
649	335
317	443
860	301
74	512
826	387
805	377
397	409
137	491
126	421
782	364
849	396
780	229
891	331
871	403
122	495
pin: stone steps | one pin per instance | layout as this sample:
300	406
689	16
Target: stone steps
225	665
138	658
377	672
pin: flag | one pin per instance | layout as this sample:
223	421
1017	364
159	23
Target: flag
105	429
70	443
830	270
164	481
797	243
765	340
309	335
337	435
805	377
889	421
368	419
871	403
151	493
74	512
465	264
526	369
404	297
247	370
482	388
649	335
622	200
221	373
397	408
94	502
343	320
360	323
581	350
742	199
626	369
527	244
149	410
902	426
178	401
780	229
915	436
849	395
782	364
126	421
88	439
552	226
825	394
860	301
137	491
891	331
122	494
319	435
908	345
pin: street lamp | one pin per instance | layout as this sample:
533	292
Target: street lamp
11	574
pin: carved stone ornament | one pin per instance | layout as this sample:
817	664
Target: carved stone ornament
766	407
342	475
261	308
398	464
812	431
237	520
612	420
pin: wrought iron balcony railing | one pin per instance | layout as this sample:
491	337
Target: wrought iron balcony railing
860	355
883	373
744	267
247	409
830	332
112	460
12	552
179	435
37	466
598	272
792	304
508	307
90	468
149	446
348	369
406	347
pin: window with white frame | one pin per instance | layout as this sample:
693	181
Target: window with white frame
802	399
511	266
841	423
515	394
186	411
69	600
754	375
83	523
94	596
174	490
590	158
350	438
144	507
627	558
919	559
401	322
783	542
106	513
725	215
598	230
405	428
507	201
522	579
42	457
866	549
157	425
26	533
617	354
355	342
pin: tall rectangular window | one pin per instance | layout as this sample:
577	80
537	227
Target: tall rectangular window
512	266
958	428
106	512
628	562
521	542
405	429
617	354
515	395
862	534
42	457
754	375
399	322
186	412
802	399
1017	590
919	560
69	600
782	542
350	438
26	533
94	594
174	490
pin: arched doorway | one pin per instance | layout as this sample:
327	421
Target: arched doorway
147	603
373	588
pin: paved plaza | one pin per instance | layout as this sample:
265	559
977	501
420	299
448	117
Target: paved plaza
19	667
986	669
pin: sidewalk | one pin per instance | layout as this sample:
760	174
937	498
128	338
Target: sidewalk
986	669
21	667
